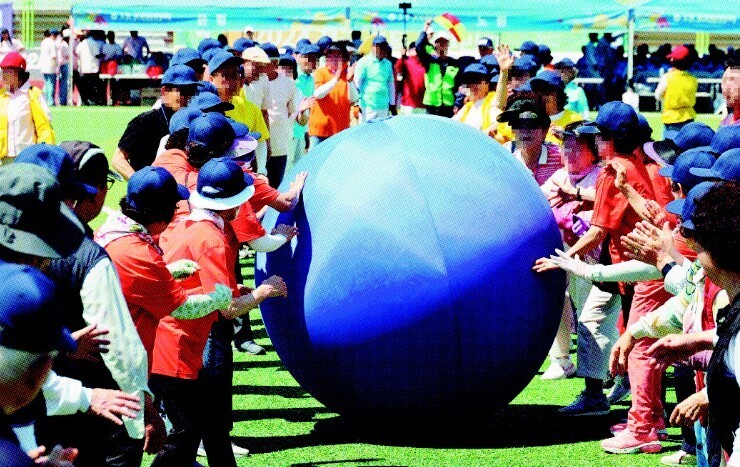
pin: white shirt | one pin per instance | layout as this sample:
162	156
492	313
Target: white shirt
88	62
13	45
63	52
282	104
21	130
48	56
258	92
104	304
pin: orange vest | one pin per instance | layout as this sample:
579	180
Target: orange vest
330	115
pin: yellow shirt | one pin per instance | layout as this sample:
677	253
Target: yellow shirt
249	114
680	96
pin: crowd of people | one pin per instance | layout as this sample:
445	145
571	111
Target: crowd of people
155	296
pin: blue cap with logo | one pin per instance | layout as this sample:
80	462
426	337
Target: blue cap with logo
221	59
270	49
242	44
617	117
726	138
525	64
309	49
31	312
210	102
179	75
686	207
181	119
680	171
60	164
154	187
211	130
727	167
185	56
547	79
208	43
222	185
529	47
379	40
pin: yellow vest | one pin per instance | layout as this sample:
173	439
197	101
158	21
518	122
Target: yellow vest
680	97
485	109
42	124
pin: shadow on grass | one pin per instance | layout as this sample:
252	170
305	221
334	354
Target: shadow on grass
244	366
513	426
344	461
289	392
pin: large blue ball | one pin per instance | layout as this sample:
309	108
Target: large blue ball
411	293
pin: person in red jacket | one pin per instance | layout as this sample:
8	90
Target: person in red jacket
410	81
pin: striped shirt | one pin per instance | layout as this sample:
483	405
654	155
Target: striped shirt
547	165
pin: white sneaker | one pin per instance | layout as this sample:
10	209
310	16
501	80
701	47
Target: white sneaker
560	368
237	450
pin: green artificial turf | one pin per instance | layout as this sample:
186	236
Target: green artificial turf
282	425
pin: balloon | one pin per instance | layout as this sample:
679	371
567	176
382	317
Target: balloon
410	289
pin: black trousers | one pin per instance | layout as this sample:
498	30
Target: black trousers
91	89
99	441
442	110
275	166
189	405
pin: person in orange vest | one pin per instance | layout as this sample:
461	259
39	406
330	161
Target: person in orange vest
25	118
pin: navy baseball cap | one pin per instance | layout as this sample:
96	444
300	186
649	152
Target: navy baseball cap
565	63
525	113
544	51
490	62
686	207
617	117
324	42
34	219
680	171
524	64
208	54
270	49
474	71
726	138
242	44
60	164
241	130
31	312
181	119
485	42
222	185
207	86
545	79
211	130
309	49
302	42
495	78
692	135
210	102
529	47
379	40
645	132
245	142
178	76
727	167
222	59
153	187
207	44
185	56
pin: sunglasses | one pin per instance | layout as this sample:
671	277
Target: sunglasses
110	181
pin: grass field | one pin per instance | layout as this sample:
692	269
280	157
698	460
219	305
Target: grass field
282	425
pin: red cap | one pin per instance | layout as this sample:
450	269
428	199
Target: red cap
13	60
679	52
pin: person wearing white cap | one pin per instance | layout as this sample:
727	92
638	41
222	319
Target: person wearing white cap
256	90
248	33
195	390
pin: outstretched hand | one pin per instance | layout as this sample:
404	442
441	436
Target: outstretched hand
90	344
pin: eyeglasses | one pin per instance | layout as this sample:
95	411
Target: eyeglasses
110	181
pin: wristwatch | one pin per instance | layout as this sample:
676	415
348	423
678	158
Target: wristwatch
667	268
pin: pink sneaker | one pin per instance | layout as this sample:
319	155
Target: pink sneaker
627	442
620	427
